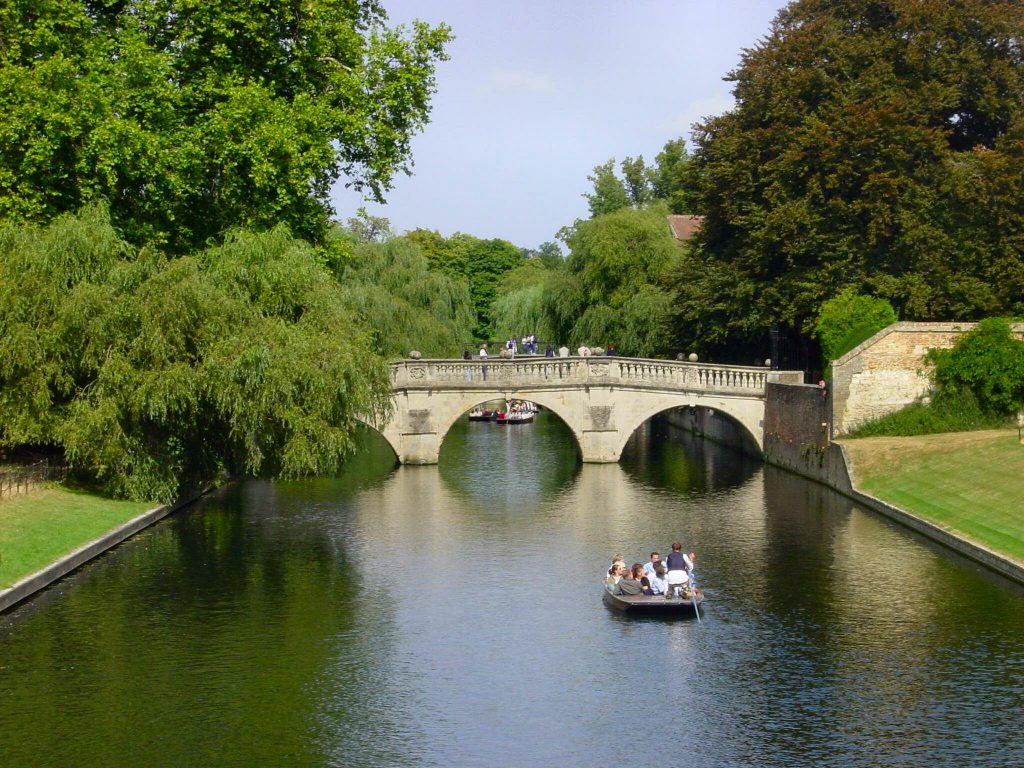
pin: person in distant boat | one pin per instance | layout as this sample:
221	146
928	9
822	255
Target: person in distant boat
676	564
630	583
651	567
659	584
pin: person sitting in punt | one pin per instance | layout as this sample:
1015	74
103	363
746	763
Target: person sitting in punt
659	584
630	584
614	575
651	567
690	560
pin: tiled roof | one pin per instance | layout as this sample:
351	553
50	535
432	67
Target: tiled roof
684	226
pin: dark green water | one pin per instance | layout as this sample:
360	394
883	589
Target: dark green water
451	616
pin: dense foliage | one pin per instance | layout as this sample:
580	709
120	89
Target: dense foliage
402	303
613	287
153	372
481	263
875	144
193	118
987	361
845	320
945	412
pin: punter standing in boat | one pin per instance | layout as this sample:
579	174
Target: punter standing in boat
676	564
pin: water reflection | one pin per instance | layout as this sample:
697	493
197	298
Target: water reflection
450	616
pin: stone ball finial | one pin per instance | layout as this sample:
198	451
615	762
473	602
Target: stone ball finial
767	362
680	356
415	355
693	357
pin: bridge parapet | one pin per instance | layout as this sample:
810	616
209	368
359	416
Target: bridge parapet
562	372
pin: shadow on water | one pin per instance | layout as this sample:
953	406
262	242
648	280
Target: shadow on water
452	615
518	466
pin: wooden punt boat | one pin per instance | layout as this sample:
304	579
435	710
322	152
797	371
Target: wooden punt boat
652	605
482	415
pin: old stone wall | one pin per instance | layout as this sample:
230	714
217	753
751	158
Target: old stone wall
796	433
888	371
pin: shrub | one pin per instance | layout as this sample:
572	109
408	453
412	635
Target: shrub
987	361
957	412
847	319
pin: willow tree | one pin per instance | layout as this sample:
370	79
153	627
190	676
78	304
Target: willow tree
192	118
614	287
401	302
876	145
153	373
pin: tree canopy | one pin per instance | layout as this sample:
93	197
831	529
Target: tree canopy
481	263
153	372
668	180
402	303
192	118
876	145
613	287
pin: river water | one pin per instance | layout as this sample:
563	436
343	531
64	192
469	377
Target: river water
451	616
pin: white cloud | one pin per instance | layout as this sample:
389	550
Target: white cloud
679	124
518	81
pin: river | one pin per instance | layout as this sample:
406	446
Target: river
451	616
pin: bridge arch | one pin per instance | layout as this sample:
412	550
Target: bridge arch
452	412
741	433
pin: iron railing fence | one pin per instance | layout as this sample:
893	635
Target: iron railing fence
16	479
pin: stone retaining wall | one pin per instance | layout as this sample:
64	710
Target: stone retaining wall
888	372
795	439
714	426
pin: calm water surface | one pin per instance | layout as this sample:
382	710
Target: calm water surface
451	616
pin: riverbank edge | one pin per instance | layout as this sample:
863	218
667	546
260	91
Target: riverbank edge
835	471
29	585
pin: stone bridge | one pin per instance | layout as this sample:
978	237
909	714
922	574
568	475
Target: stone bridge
603	400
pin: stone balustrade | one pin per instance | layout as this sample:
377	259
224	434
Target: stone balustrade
561	372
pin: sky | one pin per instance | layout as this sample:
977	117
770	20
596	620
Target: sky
538	93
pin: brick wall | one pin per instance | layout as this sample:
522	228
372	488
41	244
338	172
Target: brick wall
796	434
888	372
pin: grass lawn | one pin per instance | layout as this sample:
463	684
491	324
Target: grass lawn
37	528
968	482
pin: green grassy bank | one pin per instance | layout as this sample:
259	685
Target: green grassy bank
39	527
971	483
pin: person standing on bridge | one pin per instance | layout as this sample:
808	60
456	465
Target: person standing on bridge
483	357
610	352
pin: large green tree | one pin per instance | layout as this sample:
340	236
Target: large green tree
481	263
876	145
190	117
614	285
153	372
670	180
401	302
